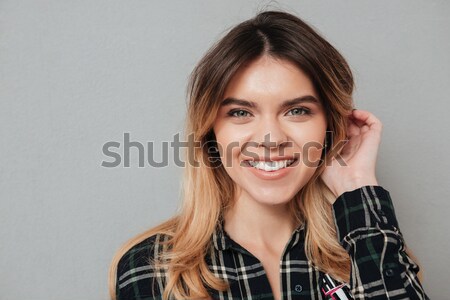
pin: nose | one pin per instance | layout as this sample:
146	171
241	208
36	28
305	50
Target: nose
270	134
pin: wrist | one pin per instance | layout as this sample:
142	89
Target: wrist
354	184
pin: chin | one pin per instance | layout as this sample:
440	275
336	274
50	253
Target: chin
273	197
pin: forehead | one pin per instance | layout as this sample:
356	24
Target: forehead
270	79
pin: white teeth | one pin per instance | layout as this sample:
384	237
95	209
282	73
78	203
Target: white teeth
270	165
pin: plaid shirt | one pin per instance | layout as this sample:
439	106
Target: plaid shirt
366	227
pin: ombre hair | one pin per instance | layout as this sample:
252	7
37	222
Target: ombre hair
208	191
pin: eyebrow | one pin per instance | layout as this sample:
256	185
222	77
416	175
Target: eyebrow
285	104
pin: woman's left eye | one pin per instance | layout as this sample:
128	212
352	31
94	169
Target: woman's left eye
298	111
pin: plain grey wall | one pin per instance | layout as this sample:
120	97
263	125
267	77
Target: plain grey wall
77	74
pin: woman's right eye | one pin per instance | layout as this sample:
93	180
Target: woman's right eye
238	113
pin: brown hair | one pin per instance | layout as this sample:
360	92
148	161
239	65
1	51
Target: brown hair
208	190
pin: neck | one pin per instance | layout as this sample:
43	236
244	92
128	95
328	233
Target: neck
259	225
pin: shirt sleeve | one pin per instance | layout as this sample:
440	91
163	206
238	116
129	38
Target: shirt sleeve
367	228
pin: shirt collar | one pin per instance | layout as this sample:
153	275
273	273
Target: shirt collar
222	241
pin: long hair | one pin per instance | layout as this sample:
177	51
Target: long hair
208	191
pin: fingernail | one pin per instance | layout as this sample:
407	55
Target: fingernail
353	109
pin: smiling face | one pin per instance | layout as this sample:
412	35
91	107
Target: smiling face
269	118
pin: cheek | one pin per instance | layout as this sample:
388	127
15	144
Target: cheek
309	135
310	141
229	142
311	155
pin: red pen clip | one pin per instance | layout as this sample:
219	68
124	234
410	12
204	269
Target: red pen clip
334	290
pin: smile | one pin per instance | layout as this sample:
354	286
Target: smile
270	166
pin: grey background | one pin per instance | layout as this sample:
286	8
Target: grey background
76	74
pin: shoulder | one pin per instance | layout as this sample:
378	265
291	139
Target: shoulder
136	274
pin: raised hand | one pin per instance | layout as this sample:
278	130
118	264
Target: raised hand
360	155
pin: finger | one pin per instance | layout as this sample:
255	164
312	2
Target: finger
364	129
364	117
355	120
352	128
351	146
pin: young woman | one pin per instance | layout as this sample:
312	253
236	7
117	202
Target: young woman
280	197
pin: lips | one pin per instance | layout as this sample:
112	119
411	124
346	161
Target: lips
269	165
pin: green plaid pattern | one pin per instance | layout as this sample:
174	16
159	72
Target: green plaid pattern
367	228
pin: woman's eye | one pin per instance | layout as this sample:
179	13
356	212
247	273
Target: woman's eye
239	113
299	111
